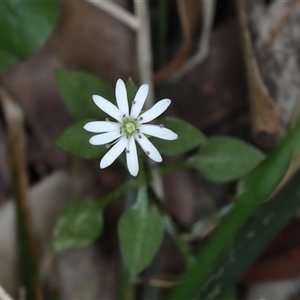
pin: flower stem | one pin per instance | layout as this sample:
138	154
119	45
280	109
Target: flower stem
106	200
171	227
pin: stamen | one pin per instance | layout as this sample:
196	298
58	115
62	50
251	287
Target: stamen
124	116
107	119
121	131
133	102
127	151
161	125
147	152
107	146
140	136
140	118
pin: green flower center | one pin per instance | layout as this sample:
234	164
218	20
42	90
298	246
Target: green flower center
129	127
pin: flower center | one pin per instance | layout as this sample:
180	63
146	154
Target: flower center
129	127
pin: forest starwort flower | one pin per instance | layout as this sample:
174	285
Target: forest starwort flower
130	127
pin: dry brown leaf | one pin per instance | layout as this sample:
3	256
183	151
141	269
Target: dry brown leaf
266	119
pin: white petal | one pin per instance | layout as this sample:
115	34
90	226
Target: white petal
155	111
139	100
104	138
108	107
101	126
157	131
113	153
121	96
148	147
132	158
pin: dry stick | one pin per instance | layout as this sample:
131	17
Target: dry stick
4	295
17	145
208	13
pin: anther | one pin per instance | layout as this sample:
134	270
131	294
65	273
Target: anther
133	102
107	146
127	151
120	131
140	118
107	119
147	152
124	116
140	136
161	125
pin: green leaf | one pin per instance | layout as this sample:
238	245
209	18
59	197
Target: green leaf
189	137
25	25
131	90
223	159
140	233
252	240
77	89
75	140
261	183
79	225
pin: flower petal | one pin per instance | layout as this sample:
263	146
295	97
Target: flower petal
132	158
148	147
157	131
101	126
155	111
139	100
104	138
113	153
108	107
121	96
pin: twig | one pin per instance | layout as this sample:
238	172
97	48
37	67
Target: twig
26	242
117	12
4	295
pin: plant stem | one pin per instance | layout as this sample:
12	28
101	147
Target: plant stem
106	200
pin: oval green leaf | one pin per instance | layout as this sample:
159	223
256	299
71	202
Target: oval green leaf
77	89
75	140
189	137
140	234
79	225
224	159
25	25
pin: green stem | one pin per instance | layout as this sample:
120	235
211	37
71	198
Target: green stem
181	246
171	228
106	200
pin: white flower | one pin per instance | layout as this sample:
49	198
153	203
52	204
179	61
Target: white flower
130	127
